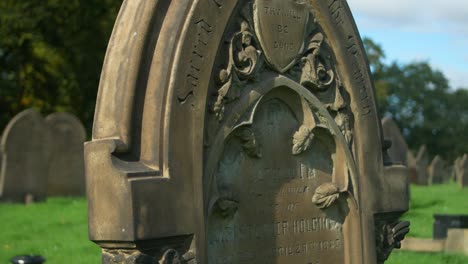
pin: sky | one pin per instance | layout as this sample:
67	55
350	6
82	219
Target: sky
435	31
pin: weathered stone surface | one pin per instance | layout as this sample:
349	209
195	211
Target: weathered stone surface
457	241
423	245
412	167
66	170
464	170
398	152
26	151
437	171
422	162
444	222
461	170
240	132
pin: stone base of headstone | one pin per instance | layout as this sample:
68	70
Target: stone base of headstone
444	222
422	245
166	255
457	241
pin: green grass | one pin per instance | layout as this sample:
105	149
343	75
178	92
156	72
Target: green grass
437	199
406	257
57	229
425	202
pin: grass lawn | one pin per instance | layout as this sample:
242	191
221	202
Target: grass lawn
425	202
57	229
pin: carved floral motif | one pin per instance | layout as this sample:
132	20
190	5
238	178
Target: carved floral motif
389	237
249	142
325	195
244	61
302	139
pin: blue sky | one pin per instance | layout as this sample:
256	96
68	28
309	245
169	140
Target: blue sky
419	30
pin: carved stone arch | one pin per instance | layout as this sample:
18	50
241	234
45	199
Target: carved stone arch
160	98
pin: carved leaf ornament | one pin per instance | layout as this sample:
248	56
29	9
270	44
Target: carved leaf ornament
259	47
325	195
302	139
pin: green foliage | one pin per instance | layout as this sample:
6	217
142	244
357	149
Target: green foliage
420	100
56	229
51	54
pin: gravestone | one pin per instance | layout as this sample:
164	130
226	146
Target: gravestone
398	152
422	162
444	222
412	168
25	154
240	132
437	171
66	170
461	170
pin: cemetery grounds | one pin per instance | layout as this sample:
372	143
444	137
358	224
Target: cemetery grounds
57	229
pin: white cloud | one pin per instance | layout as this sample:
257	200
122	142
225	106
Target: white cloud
457	78
417	15
446	19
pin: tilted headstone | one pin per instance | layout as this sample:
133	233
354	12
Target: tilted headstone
437	171
456	169
240	132
461	170
399	150
412	168
66	170
26	152
422	162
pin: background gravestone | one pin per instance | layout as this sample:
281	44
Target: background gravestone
437	171
26	151
422	162
456	169
461	170
399	150
412	168
66	170
240	132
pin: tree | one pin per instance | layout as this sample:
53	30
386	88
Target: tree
376	57
420	100
51	54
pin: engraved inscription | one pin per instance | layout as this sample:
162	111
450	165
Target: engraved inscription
196	60
276	220
281	27
364	99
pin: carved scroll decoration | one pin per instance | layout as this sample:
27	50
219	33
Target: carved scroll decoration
315	70
244	62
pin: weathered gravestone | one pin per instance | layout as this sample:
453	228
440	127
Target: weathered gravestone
437	171
240	132
399	150
66	170
461	170
25	154
412	167
422	162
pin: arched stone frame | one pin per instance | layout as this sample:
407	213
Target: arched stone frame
145	163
